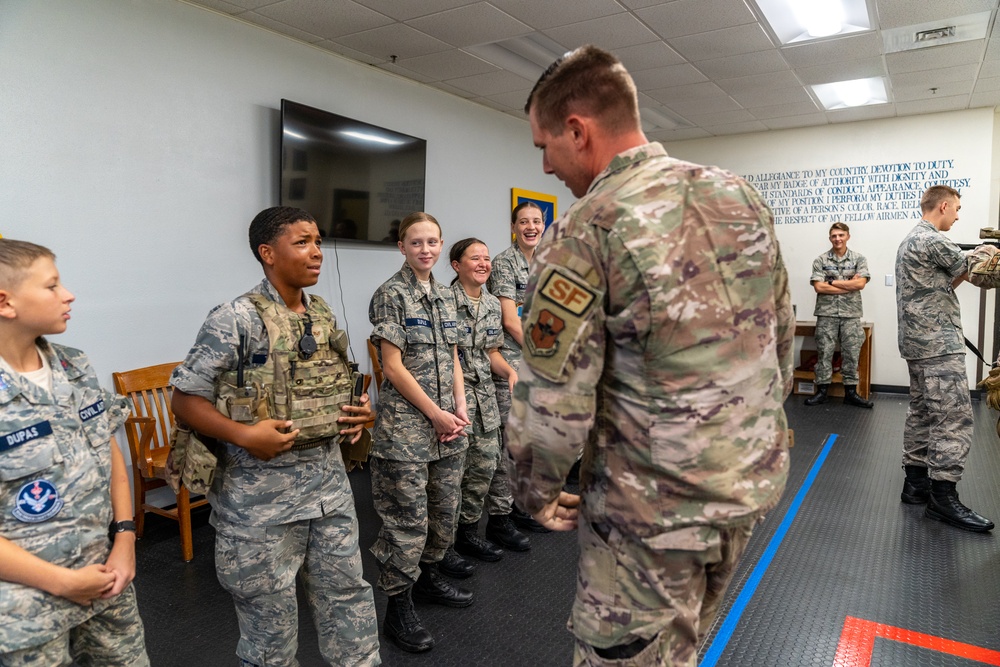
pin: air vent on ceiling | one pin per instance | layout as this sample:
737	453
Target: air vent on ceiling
936	33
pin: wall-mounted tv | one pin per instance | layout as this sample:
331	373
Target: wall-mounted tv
358	180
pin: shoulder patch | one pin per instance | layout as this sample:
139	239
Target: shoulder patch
543	334
571	294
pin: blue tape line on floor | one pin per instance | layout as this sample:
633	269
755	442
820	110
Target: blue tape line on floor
736	611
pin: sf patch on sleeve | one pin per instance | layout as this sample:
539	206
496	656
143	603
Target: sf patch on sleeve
559	309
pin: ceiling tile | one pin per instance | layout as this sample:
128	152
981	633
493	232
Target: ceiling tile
542	14
342	50
406	10
777	111
671	75
699	107
448	65
245	4
990	69
395	68
960	53
722	117
933	104
737	128
647	56
615	32
513	100
763	97
487	102
993	49
639	4
861	113
448	88
492	83
481	23
899	13
222	6
788	122
769	80
693	91
689	17
935	77
720	43
396	39
326	18
745	65
908	93
279	27
987	98
987	85
846	71
852	47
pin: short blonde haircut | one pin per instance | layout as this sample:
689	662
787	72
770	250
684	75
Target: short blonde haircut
936	194
413	219
16	257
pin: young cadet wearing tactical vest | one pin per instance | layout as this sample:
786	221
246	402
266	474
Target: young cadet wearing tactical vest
268	377
507	282
67	541
419	441
480	336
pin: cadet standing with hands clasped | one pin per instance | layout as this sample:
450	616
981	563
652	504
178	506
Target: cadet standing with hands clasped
67	540
838	276
269	379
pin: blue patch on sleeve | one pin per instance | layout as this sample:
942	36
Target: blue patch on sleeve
91	411
417	322
26	434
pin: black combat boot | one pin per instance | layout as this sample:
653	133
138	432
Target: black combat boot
916	486
455	566
820	396
525	521
944	505
852	397
403	626
501	530
469	543
432	587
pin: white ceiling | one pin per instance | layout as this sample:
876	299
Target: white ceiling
712	67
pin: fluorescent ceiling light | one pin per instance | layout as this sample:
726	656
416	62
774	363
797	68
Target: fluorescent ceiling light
854	93
658	119
796	21
527	56
374	138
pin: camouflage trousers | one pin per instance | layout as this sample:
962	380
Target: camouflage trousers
851	336
630	591
418	505
112	638
937	433
258	565
481	461
499	500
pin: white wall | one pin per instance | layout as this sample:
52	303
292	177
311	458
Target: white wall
966	137
139	138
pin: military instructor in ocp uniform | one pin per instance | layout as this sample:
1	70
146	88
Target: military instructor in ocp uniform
658	331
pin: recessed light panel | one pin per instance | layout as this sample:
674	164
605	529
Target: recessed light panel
797	21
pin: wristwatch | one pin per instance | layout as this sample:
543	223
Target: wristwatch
120	527
829	281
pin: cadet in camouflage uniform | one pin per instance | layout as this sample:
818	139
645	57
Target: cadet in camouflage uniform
65	586
838	276
480	336
660	333
419	443
938	430
278	511
507	282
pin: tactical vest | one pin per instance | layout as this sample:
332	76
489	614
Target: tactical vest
308	391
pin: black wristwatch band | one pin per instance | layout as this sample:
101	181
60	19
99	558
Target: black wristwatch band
120	527
829	281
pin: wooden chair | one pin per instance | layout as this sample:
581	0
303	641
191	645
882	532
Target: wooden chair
148	432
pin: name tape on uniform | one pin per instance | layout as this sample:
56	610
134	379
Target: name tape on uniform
26	434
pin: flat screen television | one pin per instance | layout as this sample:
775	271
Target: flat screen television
357	179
